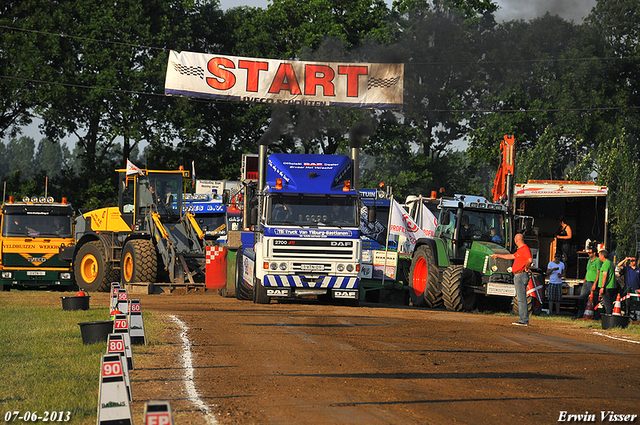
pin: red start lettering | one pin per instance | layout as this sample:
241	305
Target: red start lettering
253	70
285	79
352	73
319	75
215	66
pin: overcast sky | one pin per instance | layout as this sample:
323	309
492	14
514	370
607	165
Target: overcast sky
574	10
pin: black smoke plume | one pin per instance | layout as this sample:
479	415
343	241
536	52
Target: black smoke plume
279	120
358	132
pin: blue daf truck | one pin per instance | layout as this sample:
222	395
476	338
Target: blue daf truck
304	239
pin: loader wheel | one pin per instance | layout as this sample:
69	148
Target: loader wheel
93	273
243	292
456	295
139	261
424	285
260	293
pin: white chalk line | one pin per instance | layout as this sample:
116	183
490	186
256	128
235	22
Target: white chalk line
187	365
615	337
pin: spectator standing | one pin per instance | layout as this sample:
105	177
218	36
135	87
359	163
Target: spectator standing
556	271
522	260
607	282
589	284
564	239
631	273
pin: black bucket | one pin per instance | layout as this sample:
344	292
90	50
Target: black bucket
75	303
93	332
614	321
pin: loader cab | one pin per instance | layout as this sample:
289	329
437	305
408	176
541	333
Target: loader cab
159	192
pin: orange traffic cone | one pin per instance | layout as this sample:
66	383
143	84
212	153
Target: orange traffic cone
617	307
588	311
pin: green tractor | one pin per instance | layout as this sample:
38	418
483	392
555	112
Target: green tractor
454	268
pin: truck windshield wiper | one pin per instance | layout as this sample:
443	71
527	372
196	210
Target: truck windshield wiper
282	222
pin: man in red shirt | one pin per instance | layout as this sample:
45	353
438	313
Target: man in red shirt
522	259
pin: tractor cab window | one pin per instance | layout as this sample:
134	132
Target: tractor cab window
162	191
127	196
482	226
446	224
474	226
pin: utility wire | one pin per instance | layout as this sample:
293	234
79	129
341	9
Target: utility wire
409	64
97	40
482	111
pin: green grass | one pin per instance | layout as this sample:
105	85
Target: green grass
631	331
44	364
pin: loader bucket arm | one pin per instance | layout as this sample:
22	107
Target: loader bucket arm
194	224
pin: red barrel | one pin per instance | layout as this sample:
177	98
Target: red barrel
216	267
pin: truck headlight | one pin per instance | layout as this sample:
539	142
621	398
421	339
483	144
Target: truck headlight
509	269
7	275
349	267
340	267
274	266
283	266
494	268
65	276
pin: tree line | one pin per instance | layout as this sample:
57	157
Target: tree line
93	71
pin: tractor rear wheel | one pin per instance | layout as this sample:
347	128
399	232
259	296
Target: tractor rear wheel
424	276
93	272
457	295
139	261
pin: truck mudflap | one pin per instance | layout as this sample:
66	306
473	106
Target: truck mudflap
325	282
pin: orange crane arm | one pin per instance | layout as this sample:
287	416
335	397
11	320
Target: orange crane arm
506	168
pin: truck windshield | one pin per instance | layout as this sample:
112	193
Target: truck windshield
212	224
307	210
36	226
475	225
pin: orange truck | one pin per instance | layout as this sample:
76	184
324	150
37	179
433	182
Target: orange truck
33	230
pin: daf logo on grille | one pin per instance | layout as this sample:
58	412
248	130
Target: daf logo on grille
341	243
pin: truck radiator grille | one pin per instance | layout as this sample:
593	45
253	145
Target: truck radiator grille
306	253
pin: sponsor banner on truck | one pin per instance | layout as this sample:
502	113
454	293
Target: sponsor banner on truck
384	265
211	76
312	233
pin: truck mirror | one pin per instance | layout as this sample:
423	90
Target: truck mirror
226	194
445	218
253	217
371	214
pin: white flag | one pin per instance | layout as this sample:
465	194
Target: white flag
132	169
403	224
428	221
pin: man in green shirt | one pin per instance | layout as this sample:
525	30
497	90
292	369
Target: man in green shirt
607	282
589	283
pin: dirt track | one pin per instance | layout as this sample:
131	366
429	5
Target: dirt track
306	363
